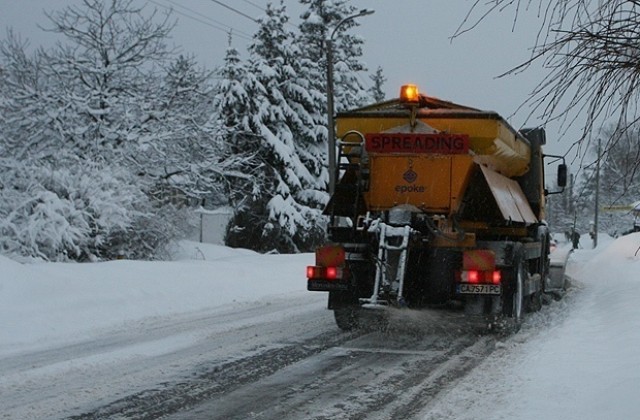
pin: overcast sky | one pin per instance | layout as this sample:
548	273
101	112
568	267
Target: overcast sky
410	39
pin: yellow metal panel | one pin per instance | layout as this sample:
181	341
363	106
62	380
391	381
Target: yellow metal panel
452	241
511	200
421	180
461	166
433	183
492	141
365	124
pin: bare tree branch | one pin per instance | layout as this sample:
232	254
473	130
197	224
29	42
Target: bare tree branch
591	53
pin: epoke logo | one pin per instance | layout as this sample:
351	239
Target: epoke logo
410	176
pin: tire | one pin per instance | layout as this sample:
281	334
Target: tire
513	303
544	262
534	302
347	317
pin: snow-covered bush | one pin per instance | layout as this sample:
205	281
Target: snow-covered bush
253	228
82	211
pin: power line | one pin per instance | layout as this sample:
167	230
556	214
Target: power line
254	5
234	10
245	15
208	18
225	30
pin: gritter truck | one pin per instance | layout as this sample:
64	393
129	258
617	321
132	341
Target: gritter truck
435	204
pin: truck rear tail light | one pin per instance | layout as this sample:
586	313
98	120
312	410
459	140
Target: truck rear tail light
497	277
327	273
473	276
311	271
477	276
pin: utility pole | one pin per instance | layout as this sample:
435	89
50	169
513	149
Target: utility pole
569	207
595	218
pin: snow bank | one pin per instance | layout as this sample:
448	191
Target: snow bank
624	248
8	264
45	304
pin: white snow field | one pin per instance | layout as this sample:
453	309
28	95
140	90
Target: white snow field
576	359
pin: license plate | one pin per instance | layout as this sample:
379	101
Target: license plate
479	289
325	285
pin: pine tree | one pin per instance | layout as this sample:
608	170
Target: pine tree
584	193
318	21
283	116
557	215
234	106
378	79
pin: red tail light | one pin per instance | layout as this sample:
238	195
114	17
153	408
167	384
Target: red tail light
328	273
473	276
311	271
478	276
497	277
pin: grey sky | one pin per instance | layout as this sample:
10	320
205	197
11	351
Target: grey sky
410	39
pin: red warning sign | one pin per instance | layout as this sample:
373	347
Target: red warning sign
479	259
416	143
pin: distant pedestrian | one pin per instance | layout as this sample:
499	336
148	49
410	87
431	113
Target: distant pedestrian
575	238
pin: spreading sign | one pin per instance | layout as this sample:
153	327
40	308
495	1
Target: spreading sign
414	143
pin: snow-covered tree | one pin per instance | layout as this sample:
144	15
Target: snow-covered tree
76	123
318	22
619	177
558	214
179	150
590	52
282	116
378	78
619	181
30	103
109	65
620	165
233	108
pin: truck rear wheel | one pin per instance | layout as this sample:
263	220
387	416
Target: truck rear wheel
541	266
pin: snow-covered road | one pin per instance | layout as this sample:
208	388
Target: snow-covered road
279	359
232	334
154	355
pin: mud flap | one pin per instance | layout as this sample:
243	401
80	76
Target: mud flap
556	284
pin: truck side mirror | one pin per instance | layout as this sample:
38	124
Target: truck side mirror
562	175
